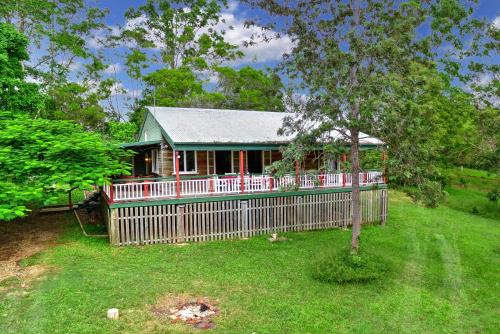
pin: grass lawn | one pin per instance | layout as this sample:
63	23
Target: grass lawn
444	278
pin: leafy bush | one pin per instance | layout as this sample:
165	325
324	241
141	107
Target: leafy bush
494	195
429	193
343	268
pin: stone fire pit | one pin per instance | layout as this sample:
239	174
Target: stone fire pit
198	313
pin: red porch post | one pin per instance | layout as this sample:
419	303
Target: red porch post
177	176
297	174
145	186
111	192
242	173
344	158
211	184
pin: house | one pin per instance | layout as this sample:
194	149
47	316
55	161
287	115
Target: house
202	174
209	141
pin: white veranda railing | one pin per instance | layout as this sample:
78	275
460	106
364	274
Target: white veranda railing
219	185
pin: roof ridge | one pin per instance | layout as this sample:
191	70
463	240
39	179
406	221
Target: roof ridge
215	109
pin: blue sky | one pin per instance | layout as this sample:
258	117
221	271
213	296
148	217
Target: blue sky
260	56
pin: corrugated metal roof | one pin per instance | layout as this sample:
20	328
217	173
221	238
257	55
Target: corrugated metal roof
217	126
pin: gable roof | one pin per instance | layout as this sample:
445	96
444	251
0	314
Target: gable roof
196	126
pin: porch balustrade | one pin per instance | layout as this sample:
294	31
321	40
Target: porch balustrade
231	185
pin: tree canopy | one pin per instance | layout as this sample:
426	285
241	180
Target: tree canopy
246	88
348	56
41	158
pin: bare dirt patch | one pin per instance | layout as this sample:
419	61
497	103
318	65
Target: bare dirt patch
25	237
198	312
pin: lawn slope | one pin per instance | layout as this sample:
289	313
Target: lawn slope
444	278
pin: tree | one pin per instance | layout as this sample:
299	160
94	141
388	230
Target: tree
178	87
246	88
59	30
62	36
41	158
250	89
77	102
186	33
344	56
16	94
428	123
121	132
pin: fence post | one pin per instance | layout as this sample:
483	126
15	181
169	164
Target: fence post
383	206
114	237
181	235
271	183
299	208
244	218
70	202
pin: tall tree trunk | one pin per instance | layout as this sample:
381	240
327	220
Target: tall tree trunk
354	129
356	194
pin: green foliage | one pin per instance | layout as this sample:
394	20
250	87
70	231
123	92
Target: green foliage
121	132
167	25
250	89
73	101
16	94
429	193
39	159
494	195
13	52
59	29
343	267
246	88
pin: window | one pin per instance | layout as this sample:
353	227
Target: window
155	162
187	161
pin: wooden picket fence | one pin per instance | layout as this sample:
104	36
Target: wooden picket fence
215	220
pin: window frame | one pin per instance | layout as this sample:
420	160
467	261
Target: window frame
155	165
184	155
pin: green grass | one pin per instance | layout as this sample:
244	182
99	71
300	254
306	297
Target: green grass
468	190
444	278
77	196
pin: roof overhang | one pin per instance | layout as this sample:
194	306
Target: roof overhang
141	143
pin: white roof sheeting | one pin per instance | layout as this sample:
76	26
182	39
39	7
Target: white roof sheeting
220	126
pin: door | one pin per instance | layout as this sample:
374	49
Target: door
254	162
222	162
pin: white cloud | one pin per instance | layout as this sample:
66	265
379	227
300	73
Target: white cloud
235	33
496	22
113	68
99	39
232	6
260	52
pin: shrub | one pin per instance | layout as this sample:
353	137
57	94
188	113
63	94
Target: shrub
432	193
343	268
494	195
429	193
